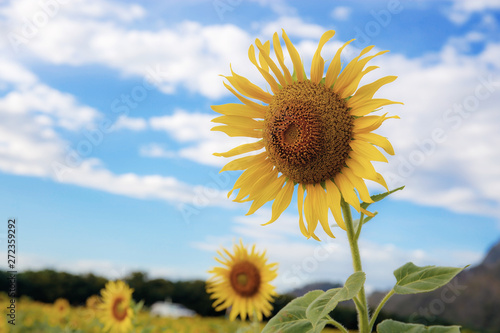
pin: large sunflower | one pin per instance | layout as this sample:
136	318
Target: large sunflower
243	283
115	311
315	132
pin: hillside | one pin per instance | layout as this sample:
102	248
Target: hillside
472	299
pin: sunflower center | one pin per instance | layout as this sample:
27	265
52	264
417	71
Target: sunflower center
119	309
307	132
245	279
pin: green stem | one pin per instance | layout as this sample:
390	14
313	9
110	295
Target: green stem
363	320
358	231
255	322
338	325
379	307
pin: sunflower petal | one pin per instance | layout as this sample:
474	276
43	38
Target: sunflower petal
376	139
322	210
297	62
300	203
367	91
347	190
368	150
318	64
264	72
279	55
335	65
266	58
245	162
239	121
359	184
236	131
235	109
242	149
333	197
369	106
282	201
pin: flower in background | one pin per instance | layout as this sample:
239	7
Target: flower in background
61	307
115	311
243	283
315	133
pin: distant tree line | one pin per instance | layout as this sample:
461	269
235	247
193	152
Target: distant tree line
48	285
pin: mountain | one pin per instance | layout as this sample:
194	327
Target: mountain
472	299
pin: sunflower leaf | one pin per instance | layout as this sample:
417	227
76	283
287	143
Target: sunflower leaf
292	318
326	302
412	279
378	197
392	326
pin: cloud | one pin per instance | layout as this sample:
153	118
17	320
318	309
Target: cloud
156	150
133	124
461	10
194	131
341	13
304	261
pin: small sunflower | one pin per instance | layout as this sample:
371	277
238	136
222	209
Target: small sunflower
115	311
61	307
243	283
316	133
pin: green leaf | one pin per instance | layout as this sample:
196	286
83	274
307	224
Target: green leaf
378	197
391	326
326	302
292	318
413	279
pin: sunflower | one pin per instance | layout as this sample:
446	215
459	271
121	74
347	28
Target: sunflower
61	307
315	133
243	283
115	311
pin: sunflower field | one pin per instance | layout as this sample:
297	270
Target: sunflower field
60	317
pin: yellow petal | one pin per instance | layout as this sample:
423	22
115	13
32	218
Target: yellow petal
297	62
279	55
361	166
245	162
282	201
247	88
235	109
367	91
248	147
334	69
272	65
318	64
369	123
264	50
239	121
347	190
333	200
367	150
359	184
234	131
300	203
376	139
271	190
310	209
369	106
351	87
265	73
322	209
244	100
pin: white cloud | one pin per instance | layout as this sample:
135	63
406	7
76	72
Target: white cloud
194	130
305	261
461	10
341	13
294	26
133	124
156	150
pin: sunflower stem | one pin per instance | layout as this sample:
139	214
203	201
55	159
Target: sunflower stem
255	322
361	304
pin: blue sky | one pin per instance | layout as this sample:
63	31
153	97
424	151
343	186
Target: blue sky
106	149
